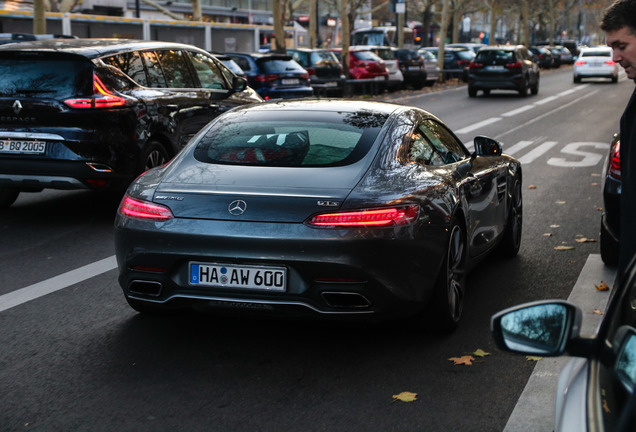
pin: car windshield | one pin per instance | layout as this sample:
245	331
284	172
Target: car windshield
596	53
489	56
47	77
365	56
307	139
323	58
275	66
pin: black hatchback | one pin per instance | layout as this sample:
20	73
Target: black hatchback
324	69
505	67
94	114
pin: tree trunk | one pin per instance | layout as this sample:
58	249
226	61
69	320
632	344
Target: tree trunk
39	19
279	30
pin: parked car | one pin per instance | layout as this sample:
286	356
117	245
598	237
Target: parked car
566	55
503	67
595	62
474	47
365	65
7	38
456	61
431	67
325	71
412	67
94	114
274	76
611	218
231	64
396	79
556	57
542	56
596	389
319	208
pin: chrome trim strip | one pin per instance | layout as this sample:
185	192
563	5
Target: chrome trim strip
265	302
32	135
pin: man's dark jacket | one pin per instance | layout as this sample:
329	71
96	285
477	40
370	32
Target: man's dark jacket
628	179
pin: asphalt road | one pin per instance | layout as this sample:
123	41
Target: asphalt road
75	357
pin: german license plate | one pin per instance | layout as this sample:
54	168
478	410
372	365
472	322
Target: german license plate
22	146
495	68
289	81
238	276
380	78
331	84
414	68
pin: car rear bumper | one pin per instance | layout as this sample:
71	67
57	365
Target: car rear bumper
330	273
513	82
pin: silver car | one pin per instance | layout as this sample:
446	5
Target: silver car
431	67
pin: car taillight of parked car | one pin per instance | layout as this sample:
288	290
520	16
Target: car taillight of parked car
144	210
515	65
474	65
615	161
610	62
579	62
266	78
102	97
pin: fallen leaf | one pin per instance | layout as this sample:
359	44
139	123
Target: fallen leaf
405	397
560	202
480	353
595	175
532	187
602	287
606	407
598	312
555	226
585	240
593	184
533	358
563	248
599	208
547	235
465	360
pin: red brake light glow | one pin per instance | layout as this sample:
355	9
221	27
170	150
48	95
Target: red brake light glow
515	65
102	97
615	161
610	62
266	78
579	62
144	210
390	216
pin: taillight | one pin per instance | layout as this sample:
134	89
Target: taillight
266	78
610	62
515	65
579	62
474	65
102	97
144	210
390	216
305	76
311	71
615	161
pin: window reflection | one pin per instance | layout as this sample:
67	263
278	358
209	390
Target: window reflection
538	329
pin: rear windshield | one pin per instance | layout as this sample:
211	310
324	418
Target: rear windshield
385	54
299	139
45	77
275	66
494	56
465	55
323	57
365	56
596	53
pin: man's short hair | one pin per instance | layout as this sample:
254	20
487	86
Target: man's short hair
621	13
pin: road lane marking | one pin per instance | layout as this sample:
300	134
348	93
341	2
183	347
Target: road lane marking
517	147
518	110
546	100
478	125
537	152
23	295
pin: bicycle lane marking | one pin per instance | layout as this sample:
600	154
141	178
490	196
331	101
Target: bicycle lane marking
32	292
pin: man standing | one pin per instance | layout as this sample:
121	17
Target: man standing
619	25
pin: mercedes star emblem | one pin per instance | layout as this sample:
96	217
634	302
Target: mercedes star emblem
237	207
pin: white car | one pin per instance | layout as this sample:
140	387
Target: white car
595	62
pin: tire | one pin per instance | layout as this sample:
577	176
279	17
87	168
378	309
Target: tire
8	197
577	80
609	247
535	88
614	79
448	299
472	92
523	90
154	155
511	241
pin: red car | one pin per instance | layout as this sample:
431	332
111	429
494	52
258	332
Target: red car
365	65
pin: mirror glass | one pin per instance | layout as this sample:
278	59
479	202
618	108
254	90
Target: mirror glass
538	329
485	146
626	364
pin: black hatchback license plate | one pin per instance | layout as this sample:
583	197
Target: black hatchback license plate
13	146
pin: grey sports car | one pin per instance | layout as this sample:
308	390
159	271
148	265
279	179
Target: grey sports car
320	208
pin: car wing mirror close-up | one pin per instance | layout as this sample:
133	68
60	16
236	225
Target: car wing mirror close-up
239	84
542	328
485	146
625	350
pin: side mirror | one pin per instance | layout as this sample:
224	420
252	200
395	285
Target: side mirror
239	84
540	328
625	350
485	146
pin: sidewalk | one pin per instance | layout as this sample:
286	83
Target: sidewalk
535	409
